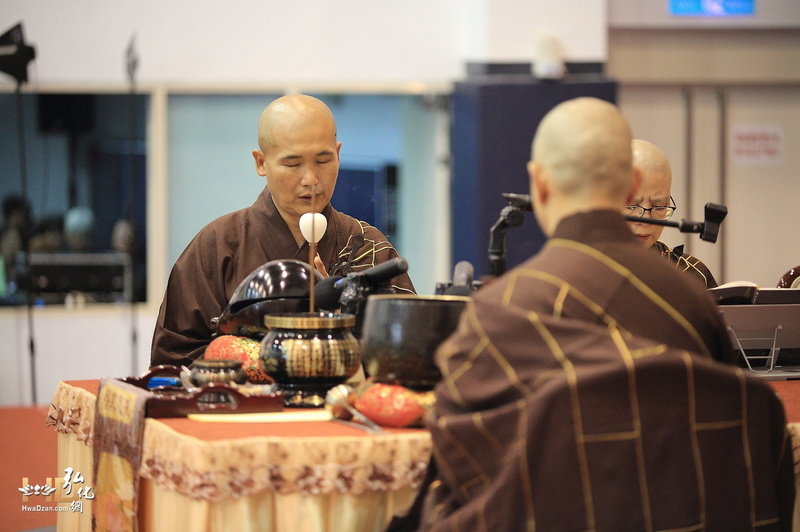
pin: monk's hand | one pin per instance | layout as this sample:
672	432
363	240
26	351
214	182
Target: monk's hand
320	267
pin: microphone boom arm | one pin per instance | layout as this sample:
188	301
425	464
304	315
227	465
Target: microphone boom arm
512	215
708	229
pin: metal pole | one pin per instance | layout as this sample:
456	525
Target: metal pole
689	163
23	173
722	99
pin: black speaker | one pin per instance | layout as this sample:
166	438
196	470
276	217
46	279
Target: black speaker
66	113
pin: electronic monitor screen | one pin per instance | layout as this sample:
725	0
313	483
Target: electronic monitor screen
711	8
103	277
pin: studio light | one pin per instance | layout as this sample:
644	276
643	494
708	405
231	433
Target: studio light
15	54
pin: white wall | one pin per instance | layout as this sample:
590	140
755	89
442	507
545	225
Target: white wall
250	42
424	192
763	197
88	343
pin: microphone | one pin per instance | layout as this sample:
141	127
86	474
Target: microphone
520	201
463	274
383	272
329	292
326	293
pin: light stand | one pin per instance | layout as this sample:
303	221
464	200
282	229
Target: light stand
14	58
131	64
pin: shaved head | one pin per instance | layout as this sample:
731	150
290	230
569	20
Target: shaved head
298	155
581	160
291	113
584	144
651	160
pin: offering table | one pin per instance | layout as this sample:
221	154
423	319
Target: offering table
250	476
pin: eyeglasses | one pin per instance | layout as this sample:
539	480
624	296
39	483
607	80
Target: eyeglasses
659	212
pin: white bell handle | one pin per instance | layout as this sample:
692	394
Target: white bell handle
313	223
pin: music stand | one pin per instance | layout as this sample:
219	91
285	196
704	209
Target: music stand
772	327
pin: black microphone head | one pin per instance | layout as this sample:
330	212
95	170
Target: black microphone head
520	201
714	214
384	271
326	293
16	63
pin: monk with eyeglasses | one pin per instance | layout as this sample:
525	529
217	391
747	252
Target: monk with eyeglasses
655	200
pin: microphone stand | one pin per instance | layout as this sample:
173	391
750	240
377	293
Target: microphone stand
708	229
512	215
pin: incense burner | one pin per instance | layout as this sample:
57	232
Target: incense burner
309	353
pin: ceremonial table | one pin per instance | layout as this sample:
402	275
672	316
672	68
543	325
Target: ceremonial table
286	476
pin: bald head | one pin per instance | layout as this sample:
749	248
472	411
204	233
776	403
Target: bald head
298	155
584	144
581	160
293	112
651	161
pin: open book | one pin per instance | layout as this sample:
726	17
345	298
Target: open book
749	293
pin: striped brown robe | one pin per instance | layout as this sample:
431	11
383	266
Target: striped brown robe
580	392
687	263
547	424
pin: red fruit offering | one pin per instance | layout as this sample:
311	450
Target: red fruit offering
246	350
391	405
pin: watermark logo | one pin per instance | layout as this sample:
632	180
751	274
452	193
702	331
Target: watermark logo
29	490
59	493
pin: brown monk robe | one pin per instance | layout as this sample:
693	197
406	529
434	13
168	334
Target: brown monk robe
580	315
546	423
298	155
540	422
686	263
227	250
591	269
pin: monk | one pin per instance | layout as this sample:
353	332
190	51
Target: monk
298	153
654	199
584	389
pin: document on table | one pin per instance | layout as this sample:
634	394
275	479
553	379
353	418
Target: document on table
265	417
